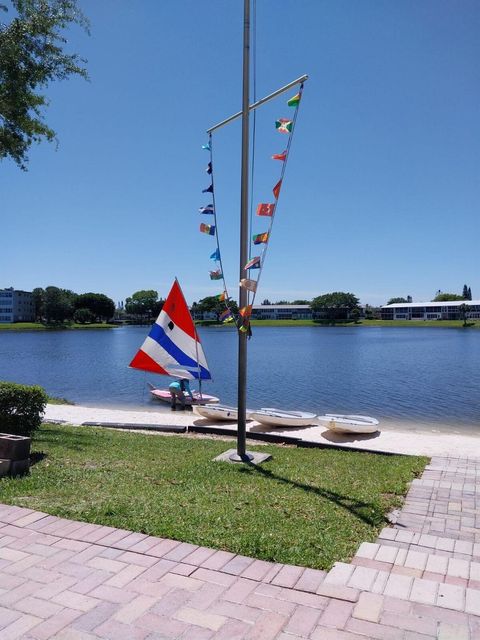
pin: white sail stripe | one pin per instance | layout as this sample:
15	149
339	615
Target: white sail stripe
191	347
182	340
164	359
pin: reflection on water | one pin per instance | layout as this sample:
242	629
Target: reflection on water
425	376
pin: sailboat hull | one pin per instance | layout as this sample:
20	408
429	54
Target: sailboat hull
164	396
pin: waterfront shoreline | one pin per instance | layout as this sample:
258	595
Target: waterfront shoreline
393	439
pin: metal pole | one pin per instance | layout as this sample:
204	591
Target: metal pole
259	102
243	293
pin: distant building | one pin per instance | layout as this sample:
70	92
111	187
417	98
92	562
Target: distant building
430	310
16	306
281	312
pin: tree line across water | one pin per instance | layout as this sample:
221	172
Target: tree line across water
54	305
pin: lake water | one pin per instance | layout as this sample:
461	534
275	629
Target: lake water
422	377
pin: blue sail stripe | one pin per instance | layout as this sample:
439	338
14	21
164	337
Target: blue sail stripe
157	333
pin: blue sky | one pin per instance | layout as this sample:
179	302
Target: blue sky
382	188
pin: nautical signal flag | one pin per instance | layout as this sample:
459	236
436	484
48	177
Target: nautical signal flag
222	296
265	209
280	156
294	101
208	209
225	315
208	228
246	312
254	263
249	285
209	168
206	147
215	255
260	237
284	125
216	275
208	189
276	189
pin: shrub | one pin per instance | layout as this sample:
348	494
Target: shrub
21	408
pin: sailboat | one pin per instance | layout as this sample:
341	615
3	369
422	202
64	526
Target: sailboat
173	348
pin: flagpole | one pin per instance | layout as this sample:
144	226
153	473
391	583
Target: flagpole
241	454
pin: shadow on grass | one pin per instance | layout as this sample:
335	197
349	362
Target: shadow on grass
357	508
36	457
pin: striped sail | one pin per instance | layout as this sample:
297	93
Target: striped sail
173	347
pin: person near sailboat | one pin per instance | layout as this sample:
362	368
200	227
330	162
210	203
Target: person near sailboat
178	388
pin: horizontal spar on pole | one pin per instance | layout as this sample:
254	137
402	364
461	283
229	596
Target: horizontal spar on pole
260	102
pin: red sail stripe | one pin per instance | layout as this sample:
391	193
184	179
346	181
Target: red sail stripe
176	308
144	362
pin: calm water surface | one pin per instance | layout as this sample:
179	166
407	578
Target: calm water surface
422	376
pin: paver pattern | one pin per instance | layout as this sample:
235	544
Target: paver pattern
421	579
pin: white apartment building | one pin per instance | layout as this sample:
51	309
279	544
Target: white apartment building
16	306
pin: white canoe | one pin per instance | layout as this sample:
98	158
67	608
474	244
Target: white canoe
164	396
349	423
216	412
280	418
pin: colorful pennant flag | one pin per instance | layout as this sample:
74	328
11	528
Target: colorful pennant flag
206	147
284	125
276	189
245	328
254	263
246	312
207	228
215	255
265	209
280	156
208	189
294	101
216	275
209	168
249	285
225	315
260	237
222	296
208	209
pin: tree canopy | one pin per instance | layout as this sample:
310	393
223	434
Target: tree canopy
144	304
396	300
31	56
446	297
335	305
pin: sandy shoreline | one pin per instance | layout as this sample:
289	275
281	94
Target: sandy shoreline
392	440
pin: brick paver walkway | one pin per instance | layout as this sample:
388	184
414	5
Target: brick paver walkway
421	579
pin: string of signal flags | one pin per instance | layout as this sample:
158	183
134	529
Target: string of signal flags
265	211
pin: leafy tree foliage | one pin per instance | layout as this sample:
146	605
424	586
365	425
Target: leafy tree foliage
83	316
144	304
31	56
212	304
301	302
58	305
446	297
100	306
467	293
39	303
396	300
336	305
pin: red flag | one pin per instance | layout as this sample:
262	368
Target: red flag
280	156
265	209
276	189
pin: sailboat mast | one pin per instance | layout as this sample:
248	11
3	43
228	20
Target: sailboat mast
243	293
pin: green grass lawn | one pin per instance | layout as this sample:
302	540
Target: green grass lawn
38	326
309	507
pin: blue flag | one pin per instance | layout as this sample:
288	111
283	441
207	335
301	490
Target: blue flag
215	255
208	209
208	189
206	146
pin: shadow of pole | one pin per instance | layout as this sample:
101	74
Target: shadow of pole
355	507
